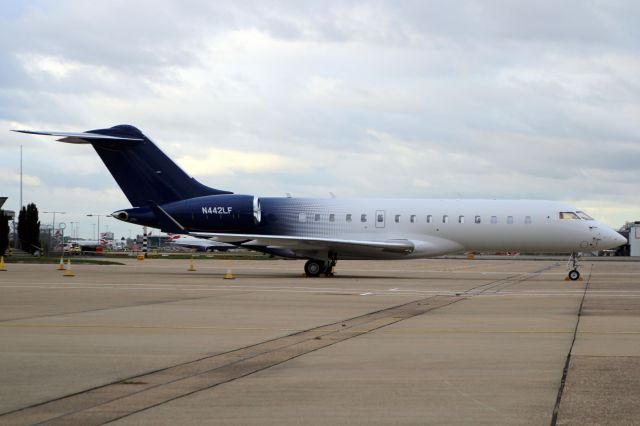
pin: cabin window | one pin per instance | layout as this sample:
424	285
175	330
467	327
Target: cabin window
584	216
569	215
429	218
412	219
317	217
332	217
460	219
445	219
527	220
397	219
494	220
509	220
363	217
302	217
380	218
348	217
477	219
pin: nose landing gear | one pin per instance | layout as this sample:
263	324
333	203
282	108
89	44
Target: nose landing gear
573	265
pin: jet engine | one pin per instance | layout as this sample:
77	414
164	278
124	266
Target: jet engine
211	213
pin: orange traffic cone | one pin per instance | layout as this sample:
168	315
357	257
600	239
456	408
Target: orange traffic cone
229	275
68	272
2	267
61	264
191	267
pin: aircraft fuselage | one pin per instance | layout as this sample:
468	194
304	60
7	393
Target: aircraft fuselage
436	226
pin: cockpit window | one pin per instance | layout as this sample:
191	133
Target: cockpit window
584	216
569	215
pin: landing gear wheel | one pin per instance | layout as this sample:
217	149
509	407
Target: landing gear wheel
314	267
572	266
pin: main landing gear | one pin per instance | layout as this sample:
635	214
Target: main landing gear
315	268
573	265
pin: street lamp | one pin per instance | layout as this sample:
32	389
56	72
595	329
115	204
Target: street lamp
53	227
98	216
74	229
54	219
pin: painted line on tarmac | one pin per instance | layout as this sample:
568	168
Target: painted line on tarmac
330	290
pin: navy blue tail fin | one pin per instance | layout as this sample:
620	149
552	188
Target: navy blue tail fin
142	170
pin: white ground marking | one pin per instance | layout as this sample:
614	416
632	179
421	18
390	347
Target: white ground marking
325	290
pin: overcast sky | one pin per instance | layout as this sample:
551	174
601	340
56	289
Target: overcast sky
413	99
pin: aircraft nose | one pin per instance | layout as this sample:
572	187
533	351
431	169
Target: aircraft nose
613	239
619	239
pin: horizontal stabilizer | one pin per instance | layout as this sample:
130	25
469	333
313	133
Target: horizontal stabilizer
84	137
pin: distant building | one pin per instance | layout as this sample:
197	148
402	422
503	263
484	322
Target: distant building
9	213
631	231
12	216
634	239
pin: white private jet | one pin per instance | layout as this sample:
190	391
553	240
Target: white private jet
325	230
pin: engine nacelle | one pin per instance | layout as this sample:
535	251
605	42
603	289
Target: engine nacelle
211	213
223	213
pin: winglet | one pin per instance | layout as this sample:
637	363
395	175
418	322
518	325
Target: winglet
167	223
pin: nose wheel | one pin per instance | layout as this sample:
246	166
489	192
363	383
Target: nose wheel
573	265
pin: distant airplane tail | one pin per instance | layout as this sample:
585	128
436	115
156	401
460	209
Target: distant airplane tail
140	168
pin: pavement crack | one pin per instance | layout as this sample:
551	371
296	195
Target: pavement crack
565	370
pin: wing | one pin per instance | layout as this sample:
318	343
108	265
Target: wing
297	243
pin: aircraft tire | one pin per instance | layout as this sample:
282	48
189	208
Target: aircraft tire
574	275
314	267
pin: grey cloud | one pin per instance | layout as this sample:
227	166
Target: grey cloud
113	34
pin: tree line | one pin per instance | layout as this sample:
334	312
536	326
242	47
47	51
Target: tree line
28	229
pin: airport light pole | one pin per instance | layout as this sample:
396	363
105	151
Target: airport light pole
98	216
52	239
54	218
74	229
21	179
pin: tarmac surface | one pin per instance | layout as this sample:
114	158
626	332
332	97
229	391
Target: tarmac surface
438	341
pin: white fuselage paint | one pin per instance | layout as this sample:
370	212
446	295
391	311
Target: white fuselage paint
519	225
